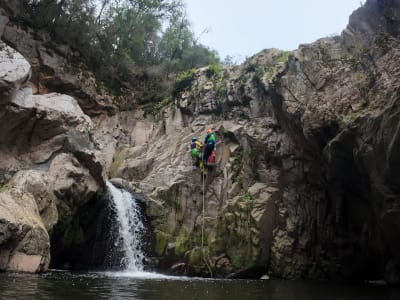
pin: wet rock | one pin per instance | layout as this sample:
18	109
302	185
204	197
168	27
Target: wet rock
179	268
124	184
21	262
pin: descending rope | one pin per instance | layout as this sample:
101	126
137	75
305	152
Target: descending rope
205	259
203	213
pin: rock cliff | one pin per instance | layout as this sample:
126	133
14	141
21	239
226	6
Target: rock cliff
307	148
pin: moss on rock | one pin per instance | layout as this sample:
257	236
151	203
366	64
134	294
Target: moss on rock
181	243
161	242
119	157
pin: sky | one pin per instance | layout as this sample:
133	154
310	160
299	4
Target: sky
242	28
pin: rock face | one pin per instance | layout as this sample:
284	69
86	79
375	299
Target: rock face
24	240
305	184
48	165
52	64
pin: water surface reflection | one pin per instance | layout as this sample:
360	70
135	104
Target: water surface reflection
147	286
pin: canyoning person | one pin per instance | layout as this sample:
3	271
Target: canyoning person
209	147
195	151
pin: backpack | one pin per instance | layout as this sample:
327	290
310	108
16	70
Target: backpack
211	159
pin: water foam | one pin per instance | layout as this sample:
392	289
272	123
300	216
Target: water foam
130	229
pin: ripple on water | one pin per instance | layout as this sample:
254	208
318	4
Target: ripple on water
148	286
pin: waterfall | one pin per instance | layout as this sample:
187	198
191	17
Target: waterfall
130	228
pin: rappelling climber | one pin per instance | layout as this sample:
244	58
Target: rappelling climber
209	148
195	151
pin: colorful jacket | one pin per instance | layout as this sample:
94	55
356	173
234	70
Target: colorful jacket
196	145
209	138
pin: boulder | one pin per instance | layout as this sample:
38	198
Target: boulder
54	69
14	72
37	184
36	127
48	167
24	242
71	182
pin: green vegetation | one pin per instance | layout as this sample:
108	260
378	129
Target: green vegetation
237	261
241	259
281	58
181	243
220	101
364	103
123	41
238	179
2	188
266	71
156	108
354	62
213	70
269	74
259	70
161	242
364	108
220	91
382	40
119	158
247	198
184	80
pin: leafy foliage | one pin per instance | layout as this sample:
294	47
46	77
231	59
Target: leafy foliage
247	198
122	39
213	70
184	80
155	108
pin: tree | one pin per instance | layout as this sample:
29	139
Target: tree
121	38
179	49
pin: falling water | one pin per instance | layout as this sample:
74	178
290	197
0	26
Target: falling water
130	228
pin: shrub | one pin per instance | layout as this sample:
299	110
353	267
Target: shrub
183	81
155	108
382	40
247	198
213	70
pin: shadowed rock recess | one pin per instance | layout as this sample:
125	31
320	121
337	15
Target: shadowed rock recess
308	148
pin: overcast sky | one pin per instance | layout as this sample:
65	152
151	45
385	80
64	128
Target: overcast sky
244	27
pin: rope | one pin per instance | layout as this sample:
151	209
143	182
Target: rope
203	213
205	259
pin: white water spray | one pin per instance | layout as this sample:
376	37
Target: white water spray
130	228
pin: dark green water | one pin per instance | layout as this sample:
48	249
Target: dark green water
62	285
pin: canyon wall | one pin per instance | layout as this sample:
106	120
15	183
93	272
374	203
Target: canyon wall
305	184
